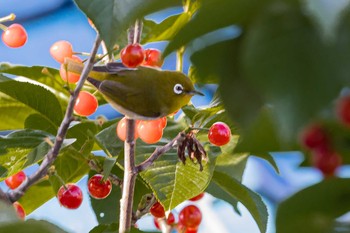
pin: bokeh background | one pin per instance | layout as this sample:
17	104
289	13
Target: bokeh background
49	21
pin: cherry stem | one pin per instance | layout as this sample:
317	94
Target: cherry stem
3	27
179	58
199	128
51	156
9	17
60	180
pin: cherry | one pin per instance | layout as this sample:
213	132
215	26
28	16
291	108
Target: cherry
343	110
170	220
14	181
190	216
86	104
132	55
157	210
150	131
314	136
98	188
198	197
60	50
15	36
72	77
219	134
184	229
121	129
163	122
19	209
153	58
326	160
70	196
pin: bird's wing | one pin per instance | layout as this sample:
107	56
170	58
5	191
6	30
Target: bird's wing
112	68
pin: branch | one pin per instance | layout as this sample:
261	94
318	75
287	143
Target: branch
161	150
51	156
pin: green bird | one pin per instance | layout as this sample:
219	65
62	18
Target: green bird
142	93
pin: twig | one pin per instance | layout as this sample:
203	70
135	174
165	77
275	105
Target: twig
53	153
161	150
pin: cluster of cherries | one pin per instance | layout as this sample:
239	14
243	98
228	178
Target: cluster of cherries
190	216
316	139
14	36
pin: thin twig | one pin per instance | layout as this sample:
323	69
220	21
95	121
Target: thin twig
160	151
61	134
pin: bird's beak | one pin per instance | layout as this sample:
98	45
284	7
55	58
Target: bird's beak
195	92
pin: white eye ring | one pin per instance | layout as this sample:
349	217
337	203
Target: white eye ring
178	89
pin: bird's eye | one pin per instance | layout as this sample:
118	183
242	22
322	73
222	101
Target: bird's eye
178	89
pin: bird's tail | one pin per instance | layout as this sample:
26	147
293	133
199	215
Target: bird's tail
77	68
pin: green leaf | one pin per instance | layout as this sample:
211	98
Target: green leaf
247	197
12	113
113	17
7	213
84	134
71	166
31	226
314	209
166	30
36	97
108	165
222	13
106	228
37	121
109	141
36	196
45	75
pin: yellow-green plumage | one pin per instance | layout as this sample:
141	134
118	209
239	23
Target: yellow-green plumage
140	93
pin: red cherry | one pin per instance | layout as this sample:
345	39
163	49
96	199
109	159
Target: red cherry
70	196
14	181
314	136
153	57
132	55
190	216
86	104
19	209
121	129
15	36
327	161
157	210
163	122
60	50
98	188
150	131
343	110
198	197
219	134
72	77
170	220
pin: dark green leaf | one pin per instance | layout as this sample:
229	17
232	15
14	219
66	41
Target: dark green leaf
166	30
37	121
31	226
36	97
109	141
45	75
113	17
314	209
248	198
108	164
84	134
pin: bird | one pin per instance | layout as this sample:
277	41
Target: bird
141	93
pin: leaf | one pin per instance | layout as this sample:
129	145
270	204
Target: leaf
109	142
84	134
36	196
248	198
31	226
113	17
7	213
320	207
12	113
36	97
113	228
71	166
37	121
222	13
45	75
166	30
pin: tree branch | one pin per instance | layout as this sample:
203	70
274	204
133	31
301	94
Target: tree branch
161	150
61	134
